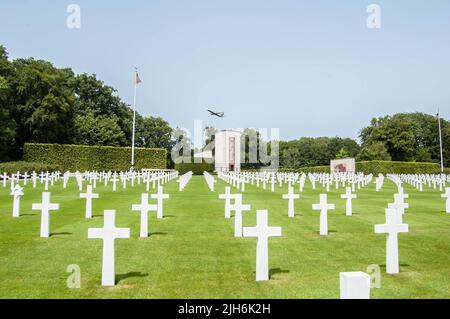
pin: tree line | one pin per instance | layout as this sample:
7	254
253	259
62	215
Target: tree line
44	104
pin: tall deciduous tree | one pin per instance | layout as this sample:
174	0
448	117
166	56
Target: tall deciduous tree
408	136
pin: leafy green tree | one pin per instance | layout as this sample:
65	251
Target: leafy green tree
102	130
375	151
93	96
7	124
43	102
343	153
308	151
407	136
156	132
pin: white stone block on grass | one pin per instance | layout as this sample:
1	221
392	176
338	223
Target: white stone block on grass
354	285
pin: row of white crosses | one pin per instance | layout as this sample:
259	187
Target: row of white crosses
418	181
209	180
45	207
109	233
323	206
47	178
261	231
184	180
393	226
156	178
239	180
160	197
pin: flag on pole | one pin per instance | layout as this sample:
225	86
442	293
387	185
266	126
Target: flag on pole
138	79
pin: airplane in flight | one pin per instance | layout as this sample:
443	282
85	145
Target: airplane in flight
218	114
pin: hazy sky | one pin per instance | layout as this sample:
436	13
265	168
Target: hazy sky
310	68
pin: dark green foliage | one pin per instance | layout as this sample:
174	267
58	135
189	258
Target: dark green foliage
308	152
387	167
373	152
27	167
306	170
409	137
44	104
196	168
377	167
94	158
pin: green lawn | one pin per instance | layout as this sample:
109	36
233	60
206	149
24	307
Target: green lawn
193	254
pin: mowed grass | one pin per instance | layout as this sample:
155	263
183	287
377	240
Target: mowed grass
192	252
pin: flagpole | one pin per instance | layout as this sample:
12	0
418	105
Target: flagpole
440	143
134	122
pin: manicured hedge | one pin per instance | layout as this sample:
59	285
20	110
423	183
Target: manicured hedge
94	158
313	169
377	167
27	167
388	167
196	168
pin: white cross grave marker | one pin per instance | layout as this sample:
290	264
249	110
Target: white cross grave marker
323	206
144	208
262	231
392	228
45	207
291	197
89	195
108	233
447	202
227	197
238	208
17	192
160	196
348	196
399	203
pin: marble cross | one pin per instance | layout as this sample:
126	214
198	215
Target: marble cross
144	208
262	231
17	192
5	179
348	196
45	207
114	180
238	208
447	201
25	178
89	195
160	196
227	197
392	228
291	197
323	206
399	204
108	234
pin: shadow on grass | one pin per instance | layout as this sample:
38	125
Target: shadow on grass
61	234
169	216
383	266
157	234
134	274
27	215
275	271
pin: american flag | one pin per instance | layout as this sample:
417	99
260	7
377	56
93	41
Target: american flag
138	79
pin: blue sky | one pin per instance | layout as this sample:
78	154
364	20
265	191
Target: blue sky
310	68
